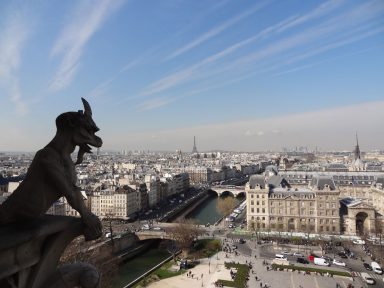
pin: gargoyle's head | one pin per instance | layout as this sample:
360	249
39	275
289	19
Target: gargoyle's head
82	129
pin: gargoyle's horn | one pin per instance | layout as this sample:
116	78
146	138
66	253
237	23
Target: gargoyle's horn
87	108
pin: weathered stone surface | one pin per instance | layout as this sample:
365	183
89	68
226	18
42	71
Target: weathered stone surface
30	241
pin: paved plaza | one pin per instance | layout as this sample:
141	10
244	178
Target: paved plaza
213	269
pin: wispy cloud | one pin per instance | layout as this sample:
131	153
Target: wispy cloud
154	103
322	10
87	18
13	37
193	71
216	31
100	89
333	45
315	36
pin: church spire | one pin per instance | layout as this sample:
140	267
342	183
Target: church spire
357	149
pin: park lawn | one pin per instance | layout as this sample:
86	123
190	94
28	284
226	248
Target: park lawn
205	248
240	280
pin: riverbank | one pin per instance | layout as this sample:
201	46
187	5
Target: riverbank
186	212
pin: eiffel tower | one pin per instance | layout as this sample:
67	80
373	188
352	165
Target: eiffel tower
194	150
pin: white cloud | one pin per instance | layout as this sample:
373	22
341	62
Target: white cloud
326	29
13	37
86	19
215	31
154	103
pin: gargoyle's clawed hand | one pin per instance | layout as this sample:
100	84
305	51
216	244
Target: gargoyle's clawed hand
93	228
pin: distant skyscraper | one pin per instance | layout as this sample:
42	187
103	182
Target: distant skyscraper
194	150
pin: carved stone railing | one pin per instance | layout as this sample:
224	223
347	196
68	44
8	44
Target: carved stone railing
30	252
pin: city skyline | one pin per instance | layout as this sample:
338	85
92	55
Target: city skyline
240	76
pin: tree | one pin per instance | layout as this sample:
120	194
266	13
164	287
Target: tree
226	205
184	233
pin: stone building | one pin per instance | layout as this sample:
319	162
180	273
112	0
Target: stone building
273	205
320	206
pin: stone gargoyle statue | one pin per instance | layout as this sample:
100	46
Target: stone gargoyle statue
52	175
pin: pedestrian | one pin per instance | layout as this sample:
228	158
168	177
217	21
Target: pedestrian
261	284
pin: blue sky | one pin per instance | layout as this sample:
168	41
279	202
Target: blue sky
158	72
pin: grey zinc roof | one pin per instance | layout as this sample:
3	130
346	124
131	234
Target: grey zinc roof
255	180
272	168
277	181
380	180
320	181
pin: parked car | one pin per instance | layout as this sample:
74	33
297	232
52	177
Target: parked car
296	254
241	241
342	255
376	268
302	260
367	266
338	262
286	253
367	278
280	256
358	242
327	258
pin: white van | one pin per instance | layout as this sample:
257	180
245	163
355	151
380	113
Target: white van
376	268
320	261
280	256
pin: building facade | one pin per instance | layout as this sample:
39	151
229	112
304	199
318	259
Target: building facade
273	205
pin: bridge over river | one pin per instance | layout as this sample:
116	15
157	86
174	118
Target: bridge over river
233	190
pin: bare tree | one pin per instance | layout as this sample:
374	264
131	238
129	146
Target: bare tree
226	205
184	233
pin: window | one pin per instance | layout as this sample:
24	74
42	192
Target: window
257	196
263	203
257	210
263	210
257	202
252	202
252	210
